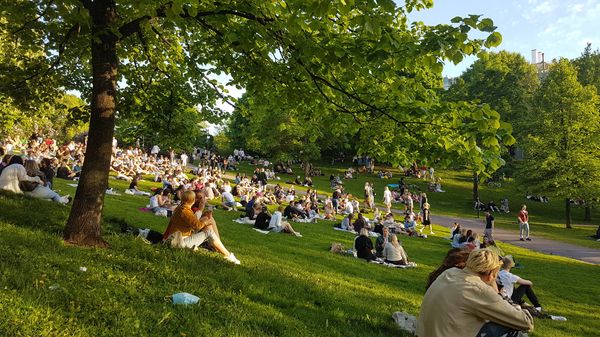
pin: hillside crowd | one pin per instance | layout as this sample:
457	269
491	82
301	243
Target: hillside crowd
474	285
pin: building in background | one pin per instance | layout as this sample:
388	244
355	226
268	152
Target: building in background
537	58
449	81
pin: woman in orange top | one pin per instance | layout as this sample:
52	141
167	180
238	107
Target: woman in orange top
194	231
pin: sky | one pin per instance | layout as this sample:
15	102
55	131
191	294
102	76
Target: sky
558	28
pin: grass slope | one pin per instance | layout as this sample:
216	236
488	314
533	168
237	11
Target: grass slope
286	286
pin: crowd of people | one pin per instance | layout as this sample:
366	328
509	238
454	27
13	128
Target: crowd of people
473	286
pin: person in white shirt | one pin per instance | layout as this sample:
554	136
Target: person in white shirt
228	201
508	280
276	224
387	199
155	150
348	208
14	173
393	252
184	160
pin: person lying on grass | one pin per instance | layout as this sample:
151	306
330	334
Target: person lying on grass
194	231
508	281
465	302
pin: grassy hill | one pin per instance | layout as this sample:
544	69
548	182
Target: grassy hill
286	286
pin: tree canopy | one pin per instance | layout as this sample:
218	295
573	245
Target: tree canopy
562	147
325	63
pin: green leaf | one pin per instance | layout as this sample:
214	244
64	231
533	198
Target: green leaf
456	19
493	40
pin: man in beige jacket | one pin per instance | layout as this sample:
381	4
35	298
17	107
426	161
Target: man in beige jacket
465	303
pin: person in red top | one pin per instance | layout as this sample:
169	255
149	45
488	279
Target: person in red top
524	223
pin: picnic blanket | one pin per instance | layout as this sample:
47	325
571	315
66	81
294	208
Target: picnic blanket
391	265
261	231
371	234
244	221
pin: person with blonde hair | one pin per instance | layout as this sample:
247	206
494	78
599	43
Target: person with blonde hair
508	281
466	302
187	231
364	246
393	252
426	216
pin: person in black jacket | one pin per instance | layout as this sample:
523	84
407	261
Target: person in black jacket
262	219
364	246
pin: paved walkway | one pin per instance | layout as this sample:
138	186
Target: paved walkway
537	244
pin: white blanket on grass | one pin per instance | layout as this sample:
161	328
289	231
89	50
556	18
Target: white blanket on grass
244	221
391	265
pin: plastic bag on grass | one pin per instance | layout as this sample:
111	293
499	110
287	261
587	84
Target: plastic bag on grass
185	298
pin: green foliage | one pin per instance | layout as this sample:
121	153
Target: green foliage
505	81
562	157
588	67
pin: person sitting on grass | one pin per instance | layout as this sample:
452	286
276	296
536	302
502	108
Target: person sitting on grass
347	222
276	223
465	302
39	191
364	246
462	241
228	201
393	252
360	223
455	258
381	241
409	221
262	219
328	210
292	212
508	280
15	173
187	231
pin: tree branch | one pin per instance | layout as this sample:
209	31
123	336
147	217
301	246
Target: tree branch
39	16
135	25
61	48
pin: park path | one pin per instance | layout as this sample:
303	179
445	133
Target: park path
538	244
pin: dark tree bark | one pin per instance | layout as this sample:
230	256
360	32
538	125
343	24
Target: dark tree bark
588	213
475	187
84	223
568	213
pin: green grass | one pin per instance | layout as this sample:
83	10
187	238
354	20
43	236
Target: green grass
286	286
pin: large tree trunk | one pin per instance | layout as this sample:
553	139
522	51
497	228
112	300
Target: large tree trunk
568	212
588	213
84	223
475	187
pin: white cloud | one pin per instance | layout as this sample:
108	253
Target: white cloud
545	7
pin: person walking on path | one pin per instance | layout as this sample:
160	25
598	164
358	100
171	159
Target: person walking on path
426	215
524	223
489	226
387	199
